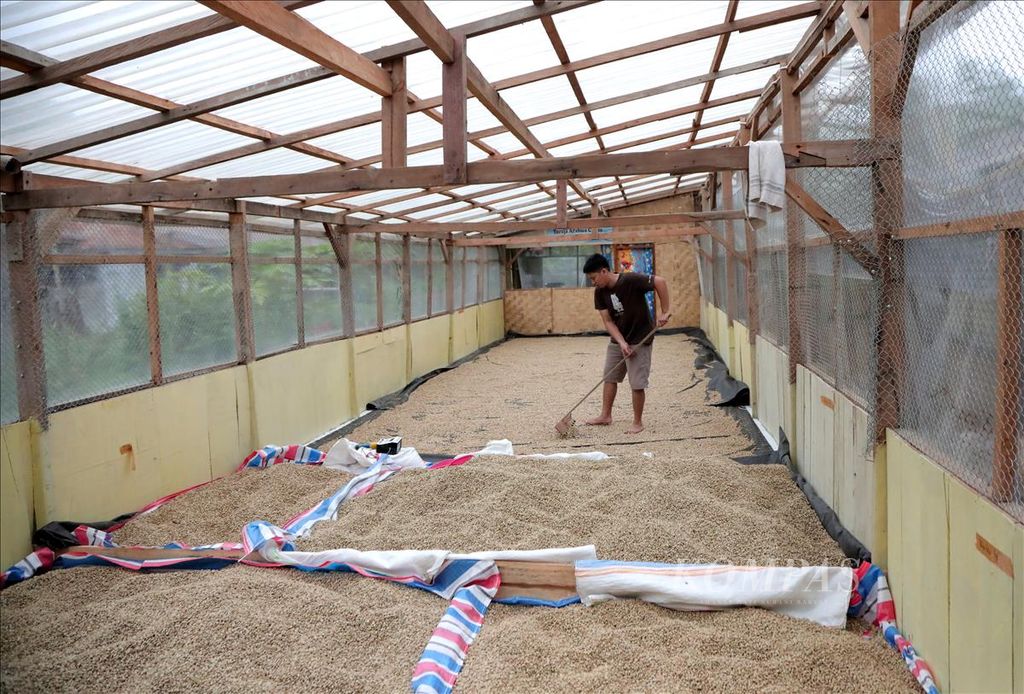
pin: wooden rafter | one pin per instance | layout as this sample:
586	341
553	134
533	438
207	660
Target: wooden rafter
842	153
302	36
831	226
716	62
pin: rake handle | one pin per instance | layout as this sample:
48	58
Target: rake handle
617	365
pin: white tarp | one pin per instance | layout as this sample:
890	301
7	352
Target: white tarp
818	593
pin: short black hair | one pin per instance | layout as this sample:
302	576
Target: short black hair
596	263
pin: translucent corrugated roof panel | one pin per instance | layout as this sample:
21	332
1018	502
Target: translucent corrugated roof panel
457	12
362	26
208	66
321	102
377	196
356	143
442	211
527	42
59	112
75	172
660	103
609	26
65	29
415	202
541	98
648	70
161	147
764	43
586	146
274	162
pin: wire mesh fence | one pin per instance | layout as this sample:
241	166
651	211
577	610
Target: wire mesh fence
915	311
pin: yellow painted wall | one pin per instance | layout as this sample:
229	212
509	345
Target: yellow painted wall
428	342
282	414
774	393
465	332
15	492
379	365
490	322
744	356
963	614
181	434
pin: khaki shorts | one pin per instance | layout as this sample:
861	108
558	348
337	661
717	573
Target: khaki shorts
637	366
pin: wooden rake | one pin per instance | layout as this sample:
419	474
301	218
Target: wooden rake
566	424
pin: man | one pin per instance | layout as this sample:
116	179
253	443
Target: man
621	299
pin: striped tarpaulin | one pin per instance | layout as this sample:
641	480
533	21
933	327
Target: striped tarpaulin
37	562
871	601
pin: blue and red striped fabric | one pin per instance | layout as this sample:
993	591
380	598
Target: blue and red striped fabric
37	562
871	601
442	660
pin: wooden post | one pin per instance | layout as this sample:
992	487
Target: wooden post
561	200
887	180
299	299
449	261
406	279
380	283
731	298
241	288
453	107
430	277
753	301
394	109
348	305
797	268
23	244
152	303
1009	364
481	273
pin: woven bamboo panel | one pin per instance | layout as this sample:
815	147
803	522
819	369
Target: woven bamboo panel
528	311
677	263
573	311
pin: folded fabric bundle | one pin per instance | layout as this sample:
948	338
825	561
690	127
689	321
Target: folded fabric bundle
766	181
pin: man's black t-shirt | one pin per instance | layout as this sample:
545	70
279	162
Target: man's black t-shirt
626	302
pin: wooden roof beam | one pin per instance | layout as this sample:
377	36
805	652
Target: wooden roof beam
302	36
798	154
716	62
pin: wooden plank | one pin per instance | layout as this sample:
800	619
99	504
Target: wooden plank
454	126
439	228
791	130
887	177
841	153
561	213
426	26
394	139
716	63
407	279
823	60
541	241
753	299
731	298
293	31
126	50
831	226
299	297
1009	366
814	35
341	243
975	225
543	580
152	303
380	284
25	315
859	25
241	288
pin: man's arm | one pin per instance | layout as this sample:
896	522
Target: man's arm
613	330
661	289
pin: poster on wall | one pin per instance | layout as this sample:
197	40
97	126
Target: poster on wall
636	259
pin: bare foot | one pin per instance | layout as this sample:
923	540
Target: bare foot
599	421
635	429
